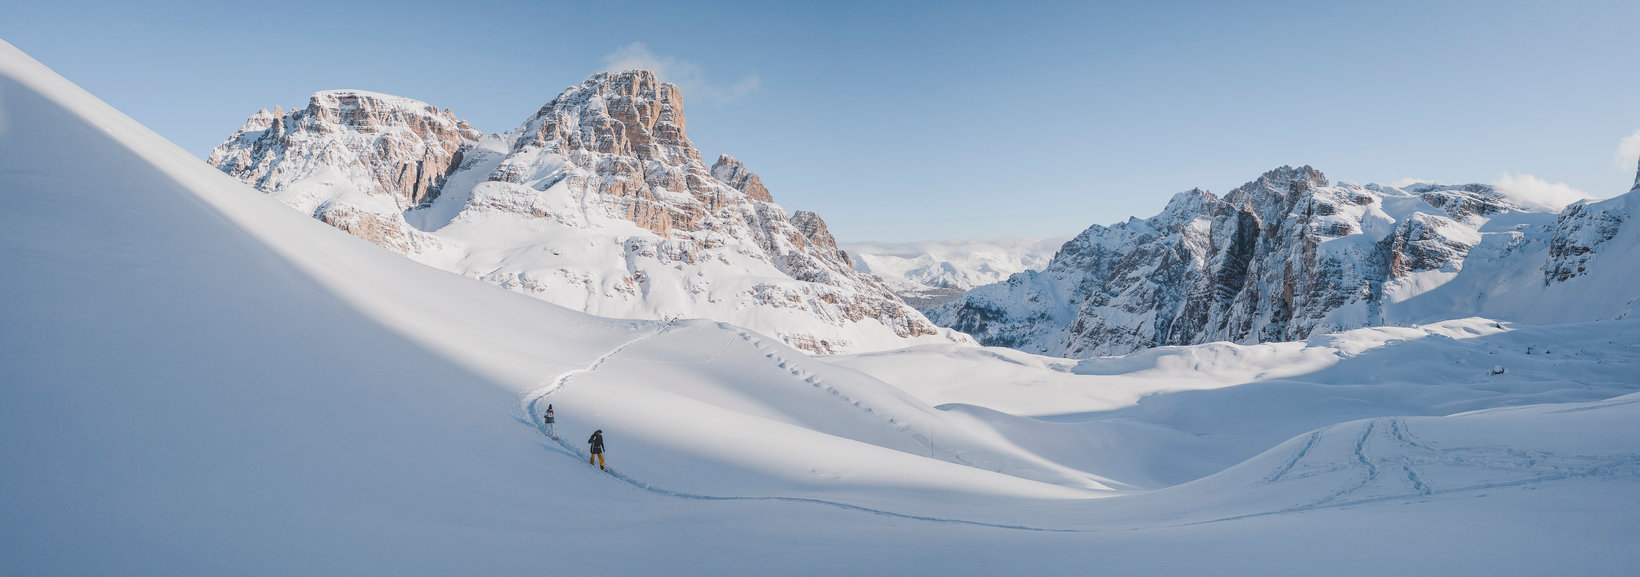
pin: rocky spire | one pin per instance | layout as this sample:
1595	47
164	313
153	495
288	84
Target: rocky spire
814	232
1276	192
1636	178
733	173
626	131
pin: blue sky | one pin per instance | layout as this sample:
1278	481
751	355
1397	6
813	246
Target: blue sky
909	121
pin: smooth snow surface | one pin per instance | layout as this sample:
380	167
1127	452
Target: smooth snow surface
195	379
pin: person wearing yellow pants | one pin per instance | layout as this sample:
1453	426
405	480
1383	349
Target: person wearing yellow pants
597	442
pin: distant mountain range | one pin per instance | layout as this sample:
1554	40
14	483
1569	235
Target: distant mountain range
1290	255
931	273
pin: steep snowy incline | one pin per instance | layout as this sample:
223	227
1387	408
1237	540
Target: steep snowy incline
931	273
1290	255
598	202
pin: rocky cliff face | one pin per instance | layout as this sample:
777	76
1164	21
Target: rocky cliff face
598	201
1283	257
385	144
1581	230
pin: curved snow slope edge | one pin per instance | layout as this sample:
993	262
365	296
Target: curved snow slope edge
495	335
99	194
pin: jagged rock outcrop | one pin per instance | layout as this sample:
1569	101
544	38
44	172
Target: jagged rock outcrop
733	173
392	145
1580	231
598	201
1283	257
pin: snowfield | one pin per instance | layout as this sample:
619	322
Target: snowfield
195	379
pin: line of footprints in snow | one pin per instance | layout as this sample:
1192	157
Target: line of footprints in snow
1405	473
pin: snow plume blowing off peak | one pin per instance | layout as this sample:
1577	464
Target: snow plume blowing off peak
598	202
690	76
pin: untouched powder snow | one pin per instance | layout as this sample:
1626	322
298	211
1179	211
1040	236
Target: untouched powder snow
195	379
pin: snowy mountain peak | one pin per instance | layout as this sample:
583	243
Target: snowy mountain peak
598	201
1636	178
1290	255
630	113
1276	192
391	146
1190	202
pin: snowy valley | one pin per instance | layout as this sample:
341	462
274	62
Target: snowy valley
199	380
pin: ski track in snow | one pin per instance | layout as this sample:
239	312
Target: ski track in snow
1541	467
1538	466
815	381
533	398
1299	466
1298	456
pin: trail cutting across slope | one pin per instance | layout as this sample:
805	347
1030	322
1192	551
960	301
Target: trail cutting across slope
531	399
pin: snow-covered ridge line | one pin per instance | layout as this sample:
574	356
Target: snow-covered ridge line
598	201
1290	254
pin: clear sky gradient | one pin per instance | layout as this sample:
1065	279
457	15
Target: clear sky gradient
908	121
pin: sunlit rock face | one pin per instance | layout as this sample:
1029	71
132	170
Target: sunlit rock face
598	201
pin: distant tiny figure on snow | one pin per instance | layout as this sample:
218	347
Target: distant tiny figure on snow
597	442
548	420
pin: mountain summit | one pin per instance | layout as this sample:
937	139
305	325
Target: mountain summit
598	201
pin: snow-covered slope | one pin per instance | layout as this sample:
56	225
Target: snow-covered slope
597	202
932	273
1290	255
196	380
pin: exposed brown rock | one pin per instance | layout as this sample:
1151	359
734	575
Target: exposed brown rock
408	147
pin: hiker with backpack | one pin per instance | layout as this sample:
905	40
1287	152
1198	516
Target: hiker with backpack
548	420
597	442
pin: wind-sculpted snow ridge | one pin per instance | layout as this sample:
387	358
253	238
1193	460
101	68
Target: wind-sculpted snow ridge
1290	255
598	202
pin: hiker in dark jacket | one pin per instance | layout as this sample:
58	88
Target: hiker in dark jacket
597	442
547	420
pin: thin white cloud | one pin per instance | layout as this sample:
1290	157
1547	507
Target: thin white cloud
1409	181
1532	192
689	76
1628	152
